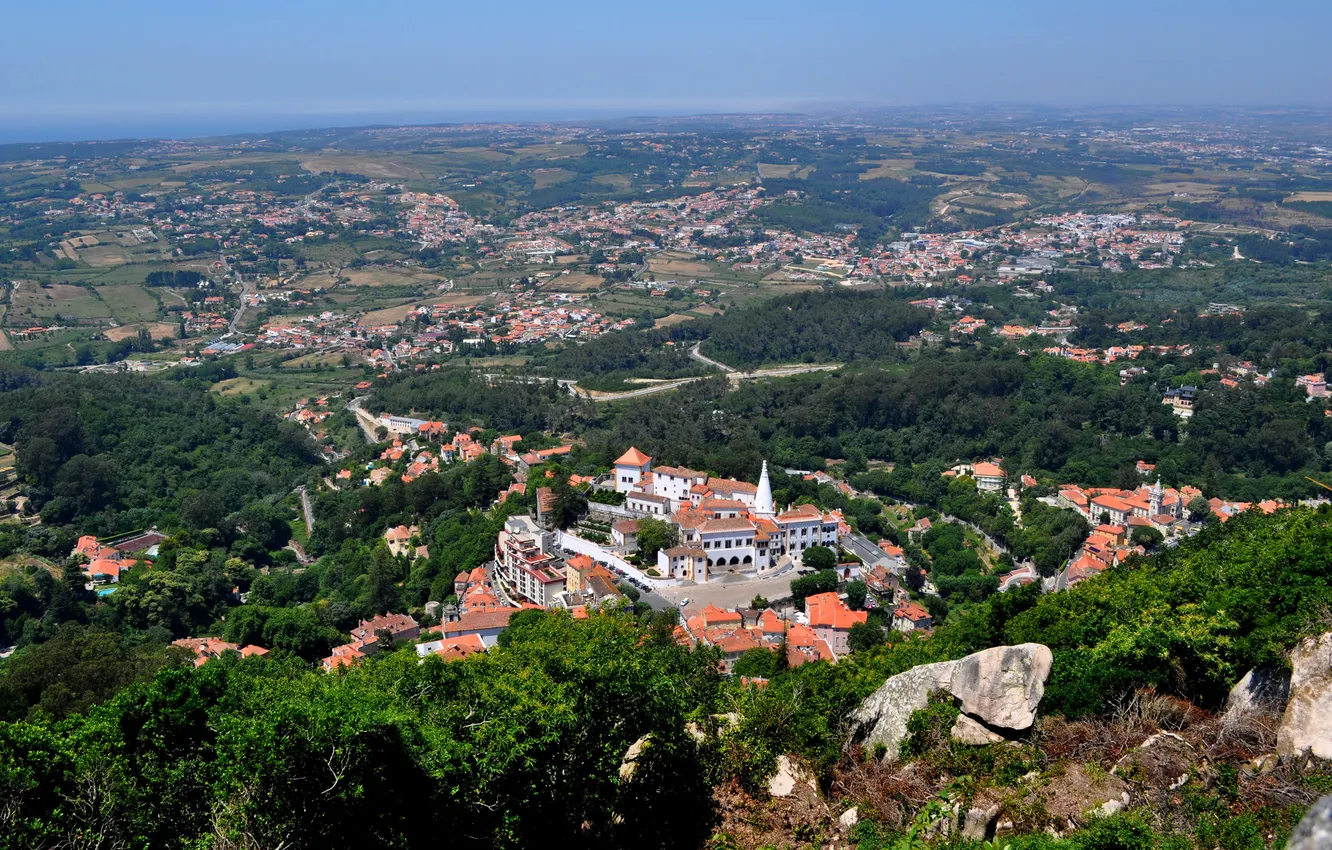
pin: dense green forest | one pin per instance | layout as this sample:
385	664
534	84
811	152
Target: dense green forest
514	748
466	398
604	363
1043	414
814	327
1040	413
112	454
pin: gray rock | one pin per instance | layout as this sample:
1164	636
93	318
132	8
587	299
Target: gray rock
1004	684
1163	761
967	730
1306	726
1314	831
884	714
979	822
790	776
629	763
848	819
1001	687
1263	691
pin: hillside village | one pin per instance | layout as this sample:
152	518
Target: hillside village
719	533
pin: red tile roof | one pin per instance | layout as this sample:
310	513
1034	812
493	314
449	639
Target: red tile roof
633	457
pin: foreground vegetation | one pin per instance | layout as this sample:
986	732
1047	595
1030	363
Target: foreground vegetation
525	743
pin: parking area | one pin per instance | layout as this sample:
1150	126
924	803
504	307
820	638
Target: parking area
729	594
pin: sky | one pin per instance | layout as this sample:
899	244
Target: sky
74	69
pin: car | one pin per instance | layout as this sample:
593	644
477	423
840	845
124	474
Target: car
684	602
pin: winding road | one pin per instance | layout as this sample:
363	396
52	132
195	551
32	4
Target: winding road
703	358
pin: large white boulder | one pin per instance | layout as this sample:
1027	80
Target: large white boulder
1306	727
998	687
1003	685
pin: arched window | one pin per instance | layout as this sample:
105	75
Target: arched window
747	560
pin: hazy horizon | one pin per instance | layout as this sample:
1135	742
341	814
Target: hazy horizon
73	69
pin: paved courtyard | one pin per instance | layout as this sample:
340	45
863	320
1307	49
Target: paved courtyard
730	593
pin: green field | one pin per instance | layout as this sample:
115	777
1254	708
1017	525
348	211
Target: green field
129	303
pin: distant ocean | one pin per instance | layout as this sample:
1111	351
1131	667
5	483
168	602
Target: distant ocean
45	129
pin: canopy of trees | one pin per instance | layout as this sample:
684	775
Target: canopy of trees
114	453
518	747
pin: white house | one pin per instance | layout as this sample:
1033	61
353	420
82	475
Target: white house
630	469
683	562
989	477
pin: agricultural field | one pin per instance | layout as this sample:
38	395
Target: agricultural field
157	330
31	303
682	265
382	276
239	386
674	319
104	255
129	303
574	282
544	178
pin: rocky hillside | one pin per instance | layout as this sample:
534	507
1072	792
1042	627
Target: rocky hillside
1111	735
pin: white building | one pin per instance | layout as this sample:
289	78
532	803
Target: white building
683	562
989	477
675	483
523	552
631	469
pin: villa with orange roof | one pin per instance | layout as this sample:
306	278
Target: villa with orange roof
831	620
630	469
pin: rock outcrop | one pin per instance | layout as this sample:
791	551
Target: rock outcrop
998	689
1306	726
1003	685
1164	761
629	763
969	731
1262	691
1314	831
790	778
1075	796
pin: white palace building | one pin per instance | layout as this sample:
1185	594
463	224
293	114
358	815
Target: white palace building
724	524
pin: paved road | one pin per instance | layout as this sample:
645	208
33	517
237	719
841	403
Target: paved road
733	376
245	291
365	420
307	509
702	358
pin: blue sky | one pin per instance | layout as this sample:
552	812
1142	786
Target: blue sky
200	65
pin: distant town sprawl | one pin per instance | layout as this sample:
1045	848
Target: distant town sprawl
540	234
